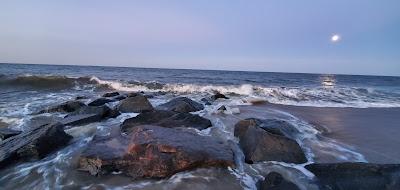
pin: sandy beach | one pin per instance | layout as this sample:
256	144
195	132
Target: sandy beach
373	132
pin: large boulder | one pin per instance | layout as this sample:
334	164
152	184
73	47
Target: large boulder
262	144
167	119
88	114
100	101
33	144
275	126
182	105
154	152
356	176
137	104
69	106
275	181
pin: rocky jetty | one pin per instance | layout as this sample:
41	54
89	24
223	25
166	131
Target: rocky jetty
267	143
154	152
167	119
356	176
182	105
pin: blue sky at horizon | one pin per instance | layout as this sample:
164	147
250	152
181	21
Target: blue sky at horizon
278	36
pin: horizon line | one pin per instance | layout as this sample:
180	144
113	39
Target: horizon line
168	68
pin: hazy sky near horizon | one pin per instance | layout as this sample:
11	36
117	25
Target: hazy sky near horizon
257	35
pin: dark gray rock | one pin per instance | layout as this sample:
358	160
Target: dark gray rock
120	97
167	119
7	133
101	101
41	120
274	126
154	152
69	106
217	96
81	97
267	145
275	181
222	108
206	101
111	94
356	176
182	105
33	144
136	104
88	114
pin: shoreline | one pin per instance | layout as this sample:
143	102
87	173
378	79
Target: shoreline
371	131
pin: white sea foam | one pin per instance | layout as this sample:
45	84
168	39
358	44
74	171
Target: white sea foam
302	96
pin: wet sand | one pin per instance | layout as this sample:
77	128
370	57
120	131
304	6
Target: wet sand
374	132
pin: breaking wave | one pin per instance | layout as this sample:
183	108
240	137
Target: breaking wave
302	96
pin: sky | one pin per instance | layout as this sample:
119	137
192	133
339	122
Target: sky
248	35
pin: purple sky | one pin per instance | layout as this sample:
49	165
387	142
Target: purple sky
285	36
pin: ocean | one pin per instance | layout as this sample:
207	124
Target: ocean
26	89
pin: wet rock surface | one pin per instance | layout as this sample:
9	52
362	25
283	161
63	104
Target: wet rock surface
218	96
154	152
356	176
87	115
267	144
182	105
7	133
33	144
69	106
167	119
274	126
136	104
111	94
275	181
100	101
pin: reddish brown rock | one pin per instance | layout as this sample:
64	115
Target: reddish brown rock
154	152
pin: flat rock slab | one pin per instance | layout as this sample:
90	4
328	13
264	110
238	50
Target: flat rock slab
154	152
88	114
33	144
167	119
356	176
182	105
260	144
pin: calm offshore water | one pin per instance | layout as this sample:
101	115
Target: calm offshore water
25	89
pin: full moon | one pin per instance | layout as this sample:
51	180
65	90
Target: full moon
335	38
